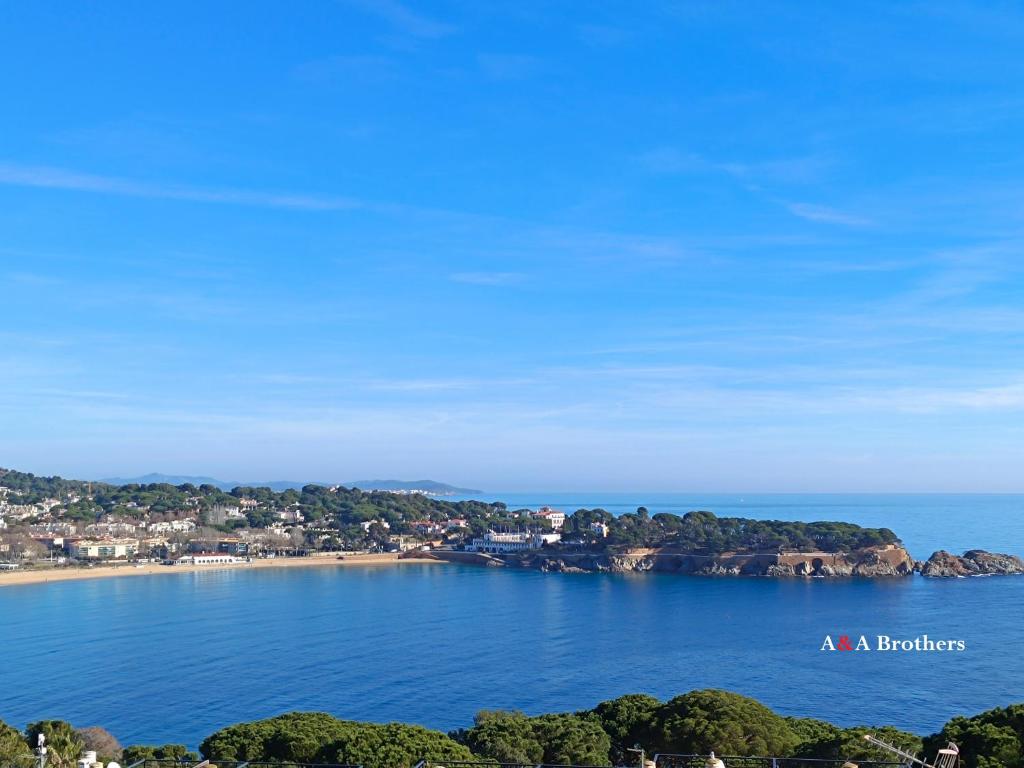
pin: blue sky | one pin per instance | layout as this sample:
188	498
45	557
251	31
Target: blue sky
516	245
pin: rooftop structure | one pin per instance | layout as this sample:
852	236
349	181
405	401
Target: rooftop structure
553	516
496	543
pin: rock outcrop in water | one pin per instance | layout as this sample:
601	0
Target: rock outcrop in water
890	560
883	561
976	562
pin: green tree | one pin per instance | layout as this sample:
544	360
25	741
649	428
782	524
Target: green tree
512	737
627	720
992	739
811	733
136	752
13	746
315	737
572	740
727	723
391	746
507	737
849	743
63	742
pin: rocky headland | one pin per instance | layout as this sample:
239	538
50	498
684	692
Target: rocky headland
891	560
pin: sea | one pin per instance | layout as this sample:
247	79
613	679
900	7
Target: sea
172	658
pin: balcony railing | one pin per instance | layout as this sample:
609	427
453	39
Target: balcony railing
153	763
699	761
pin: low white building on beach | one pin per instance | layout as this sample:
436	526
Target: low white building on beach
496	543
209	558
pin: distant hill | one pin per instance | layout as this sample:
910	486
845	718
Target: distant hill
154	478
429	486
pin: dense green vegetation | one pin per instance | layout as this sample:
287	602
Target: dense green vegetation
138	752
704	531
990	740
694	723
342	511
315	737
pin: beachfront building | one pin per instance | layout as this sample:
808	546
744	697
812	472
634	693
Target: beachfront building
497	543
553	516
103	549
233	547
599	528
208	558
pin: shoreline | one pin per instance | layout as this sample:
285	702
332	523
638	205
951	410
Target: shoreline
49	575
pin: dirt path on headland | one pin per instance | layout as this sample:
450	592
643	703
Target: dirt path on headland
46	575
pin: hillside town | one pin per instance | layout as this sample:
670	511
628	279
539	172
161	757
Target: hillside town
91	522
50	522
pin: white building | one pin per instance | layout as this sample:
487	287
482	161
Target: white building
553	516
290	516
601	529
110	529
495	543
209	558
106	549
172	526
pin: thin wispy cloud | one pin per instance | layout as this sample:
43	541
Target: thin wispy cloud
506	66
826	215
404	18
32	279
488	278
668	160
58	178
355	68
785	170
431	224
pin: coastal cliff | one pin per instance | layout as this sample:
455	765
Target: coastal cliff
890	560
975	562
882	561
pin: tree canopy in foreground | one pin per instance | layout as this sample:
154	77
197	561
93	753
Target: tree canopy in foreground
695	722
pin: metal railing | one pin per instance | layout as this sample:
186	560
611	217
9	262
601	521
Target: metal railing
733	761
213	763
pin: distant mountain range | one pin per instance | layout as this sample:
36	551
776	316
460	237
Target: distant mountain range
429	486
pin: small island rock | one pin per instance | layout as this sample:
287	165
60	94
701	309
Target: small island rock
975	562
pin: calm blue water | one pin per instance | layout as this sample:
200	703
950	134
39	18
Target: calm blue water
172	658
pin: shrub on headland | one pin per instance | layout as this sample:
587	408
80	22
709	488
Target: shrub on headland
512	737
63	742
138	752
993	739
316	737
696	722
703	721
13	746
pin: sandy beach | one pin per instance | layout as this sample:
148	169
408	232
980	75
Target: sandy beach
44	575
